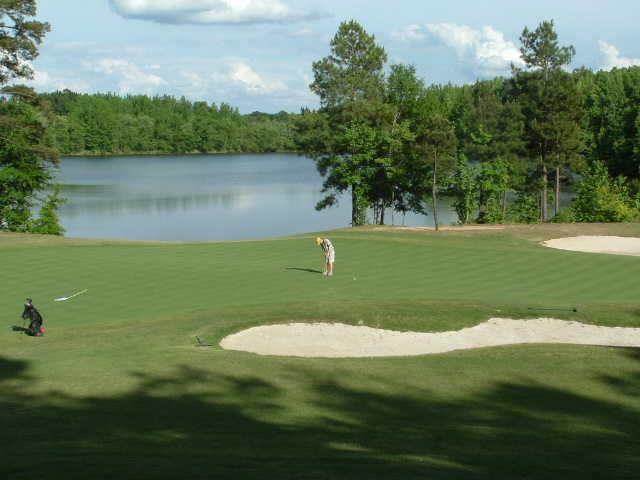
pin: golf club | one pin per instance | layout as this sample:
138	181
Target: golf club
64	299
200	344
574	309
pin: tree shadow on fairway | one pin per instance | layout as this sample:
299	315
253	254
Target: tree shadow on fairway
196	424
13	369
628	385
308	270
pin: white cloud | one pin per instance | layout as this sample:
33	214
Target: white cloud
491	52
44	81
132	79
71	45
486	50
194	79
235	75
234	78
302	32
411	33
238	82
612	58
244	75
195	85
209	11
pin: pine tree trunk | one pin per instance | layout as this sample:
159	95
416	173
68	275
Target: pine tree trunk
557	206
393	206
540	206
433	192
354	208
382	214
504	205
545	193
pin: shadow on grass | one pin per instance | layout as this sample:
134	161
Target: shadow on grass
194	424
627	385
308	270
13	369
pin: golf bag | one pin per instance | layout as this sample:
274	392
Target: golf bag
36	329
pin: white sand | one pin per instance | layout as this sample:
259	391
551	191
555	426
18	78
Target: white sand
334	340
597	244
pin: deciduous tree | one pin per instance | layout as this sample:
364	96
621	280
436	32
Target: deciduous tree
438	143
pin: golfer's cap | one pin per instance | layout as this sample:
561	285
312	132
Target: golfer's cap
318	240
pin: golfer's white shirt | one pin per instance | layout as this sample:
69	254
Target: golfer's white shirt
329	251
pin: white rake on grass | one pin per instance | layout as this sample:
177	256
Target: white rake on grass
64	299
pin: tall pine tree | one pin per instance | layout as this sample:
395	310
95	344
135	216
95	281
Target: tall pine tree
27	160
545	93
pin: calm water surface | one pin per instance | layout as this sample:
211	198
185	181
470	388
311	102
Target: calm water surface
204	197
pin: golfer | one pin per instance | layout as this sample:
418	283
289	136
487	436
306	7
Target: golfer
329	254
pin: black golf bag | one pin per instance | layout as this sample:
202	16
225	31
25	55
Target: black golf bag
30	313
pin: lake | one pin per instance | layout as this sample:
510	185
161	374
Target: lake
202	197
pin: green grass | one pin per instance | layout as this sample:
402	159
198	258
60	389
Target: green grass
116	388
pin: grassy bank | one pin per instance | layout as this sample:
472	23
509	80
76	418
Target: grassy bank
117	389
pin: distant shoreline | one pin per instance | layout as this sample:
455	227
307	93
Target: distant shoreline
168	154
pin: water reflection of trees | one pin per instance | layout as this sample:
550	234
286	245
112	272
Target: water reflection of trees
116	206
284	202
118	200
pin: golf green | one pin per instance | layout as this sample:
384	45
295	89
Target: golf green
118	389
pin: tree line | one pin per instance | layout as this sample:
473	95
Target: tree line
502	148
108	124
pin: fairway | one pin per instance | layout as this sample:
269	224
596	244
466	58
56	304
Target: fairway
118	389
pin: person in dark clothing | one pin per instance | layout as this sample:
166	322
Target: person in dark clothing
32	314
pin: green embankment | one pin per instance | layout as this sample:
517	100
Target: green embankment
117	390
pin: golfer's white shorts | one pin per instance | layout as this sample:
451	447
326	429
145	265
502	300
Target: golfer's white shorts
331	257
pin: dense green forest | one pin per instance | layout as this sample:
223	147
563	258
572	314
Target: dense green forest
503	148
108	124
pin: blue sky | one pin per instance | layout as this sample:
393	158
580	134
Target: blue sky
257	54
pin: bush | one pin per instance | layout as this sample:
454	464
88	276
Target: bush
493	212
599	198
566	215
463	186
494	178
526	208
48	222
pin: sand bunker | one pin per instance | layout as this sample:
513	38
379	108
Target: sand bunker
601	244
334	340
